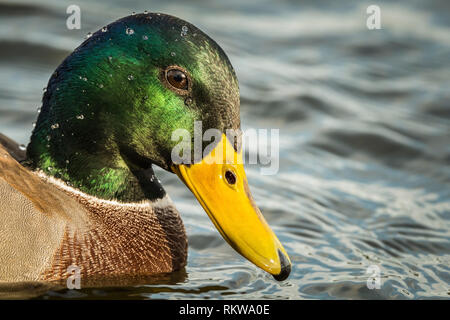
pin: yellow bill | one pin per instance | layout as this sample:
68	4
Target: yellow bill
220	185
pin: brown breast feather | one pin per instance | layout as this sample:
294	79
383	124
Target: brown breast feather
45	226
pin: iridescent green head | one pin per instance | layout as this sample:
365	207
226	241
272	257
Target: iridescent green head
110	108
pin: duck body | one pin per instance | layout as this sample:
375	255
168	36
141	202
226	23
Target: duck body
47	226
84	194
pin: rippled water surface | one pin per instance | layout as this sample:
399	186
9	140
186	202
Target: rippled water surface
364	119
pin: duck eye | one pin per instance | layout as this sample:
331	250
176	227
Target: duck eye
177	79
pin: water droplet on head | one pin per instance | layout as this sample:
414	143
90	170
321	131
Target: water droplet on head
184	31
145	37
129	31
80	117
89	34
100	85
22	147
44	89
33	124
54	126
38	109
49	168
48	138
84	79
104	29
173	54
67	161
130	77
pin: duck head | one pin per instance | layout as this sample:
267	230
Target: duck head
110	110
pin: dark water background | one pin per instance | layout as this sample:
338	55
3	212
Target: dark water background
364	120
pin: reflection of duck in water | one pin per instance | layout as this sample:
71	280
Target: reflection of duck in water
86	194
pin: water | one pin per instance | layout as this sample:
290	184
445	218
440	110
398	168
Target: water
364	120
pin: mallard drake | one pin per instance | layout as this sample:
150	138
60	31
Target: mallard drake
84	192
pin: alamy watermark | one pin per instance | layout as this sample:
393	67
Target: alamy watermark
74	20
74	280
373	21
256	142
374	280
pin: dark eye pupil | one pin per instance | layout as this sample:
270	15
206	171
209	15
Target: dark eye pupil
230	176
177	79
